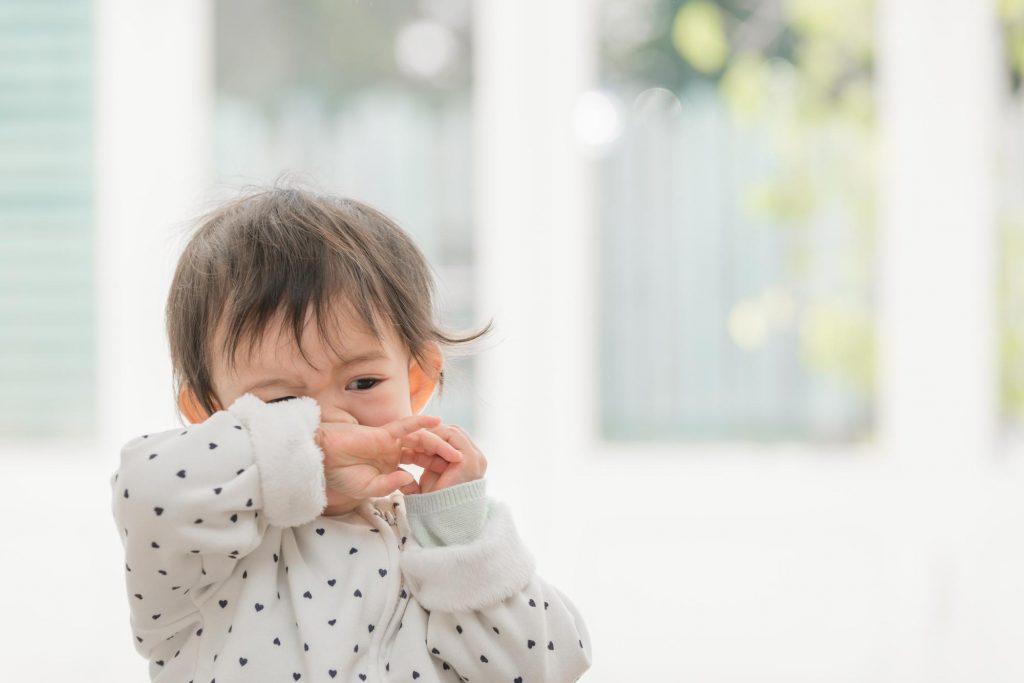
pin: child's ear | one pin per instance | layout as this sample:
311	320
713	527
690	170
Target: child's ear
190	407
423	380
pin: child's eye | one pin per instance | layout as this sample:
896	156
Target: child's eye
367	379
283	398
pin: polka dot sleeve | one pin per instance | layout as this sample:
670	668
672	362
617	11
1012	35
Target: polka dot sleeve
536	635
190	502
491	616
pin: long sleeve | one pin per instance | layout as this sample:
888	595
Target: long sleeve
491	617
190	502
450	516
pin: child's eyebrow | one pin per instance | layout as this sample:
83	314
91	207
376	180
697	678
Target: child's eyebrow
360	358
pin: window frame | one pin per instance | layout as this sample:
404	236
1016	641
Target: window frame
525	147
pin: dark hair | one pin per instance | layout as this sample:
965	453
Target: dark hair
278	250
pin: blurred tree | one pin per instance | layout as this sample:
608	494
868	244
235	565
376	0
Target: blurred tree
1011	16
1011	220
802	71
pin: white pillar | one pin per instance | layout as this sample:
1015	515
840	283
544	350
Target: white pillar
153	103
937	84
937	110
535	248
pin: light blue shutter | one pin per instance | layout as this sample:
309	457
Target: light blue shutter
46	203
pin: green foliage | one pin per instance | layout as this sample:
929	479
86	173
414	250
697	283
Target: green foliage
802	72
1011	234
1011	17
698	34
1011	309
805	79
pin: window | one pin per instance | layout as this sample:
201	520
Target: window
735	143
46	201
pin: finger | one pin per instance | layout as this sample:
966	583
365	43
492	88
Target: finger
429	441
437	464
356	445
428	461
406	425
410	489
413	456
383	484
452	477
446	480
454	435
427	480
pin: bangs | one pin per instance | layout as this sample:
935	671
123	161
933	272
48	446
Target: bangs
293	263
248	325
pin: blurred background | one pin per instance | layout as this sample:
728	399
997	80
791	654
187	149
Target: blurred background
756	386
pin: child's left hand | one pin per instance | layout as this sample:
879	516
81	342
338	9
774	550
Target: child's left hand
438	473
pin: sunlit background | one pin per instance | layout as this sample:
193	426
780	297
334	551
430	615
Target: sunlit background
755	391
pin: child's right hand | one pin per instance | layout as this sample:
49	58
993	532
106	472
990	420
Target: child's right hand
362	462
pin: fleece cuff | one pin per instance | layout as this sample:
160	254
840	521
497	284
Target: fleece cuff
290	463
471	576
450	516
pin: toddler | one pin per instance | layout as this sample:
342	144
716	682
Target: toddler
276	537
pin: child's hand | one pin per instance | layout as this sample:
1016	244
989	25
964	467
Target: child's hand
439	473
362	462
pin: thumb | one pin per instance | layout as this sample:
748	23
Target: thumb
384	484
407	479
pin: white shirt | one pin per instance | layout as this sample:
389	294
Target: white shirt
232	574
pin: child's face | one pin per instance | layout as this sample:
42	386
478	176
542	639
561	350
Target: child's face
384	386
